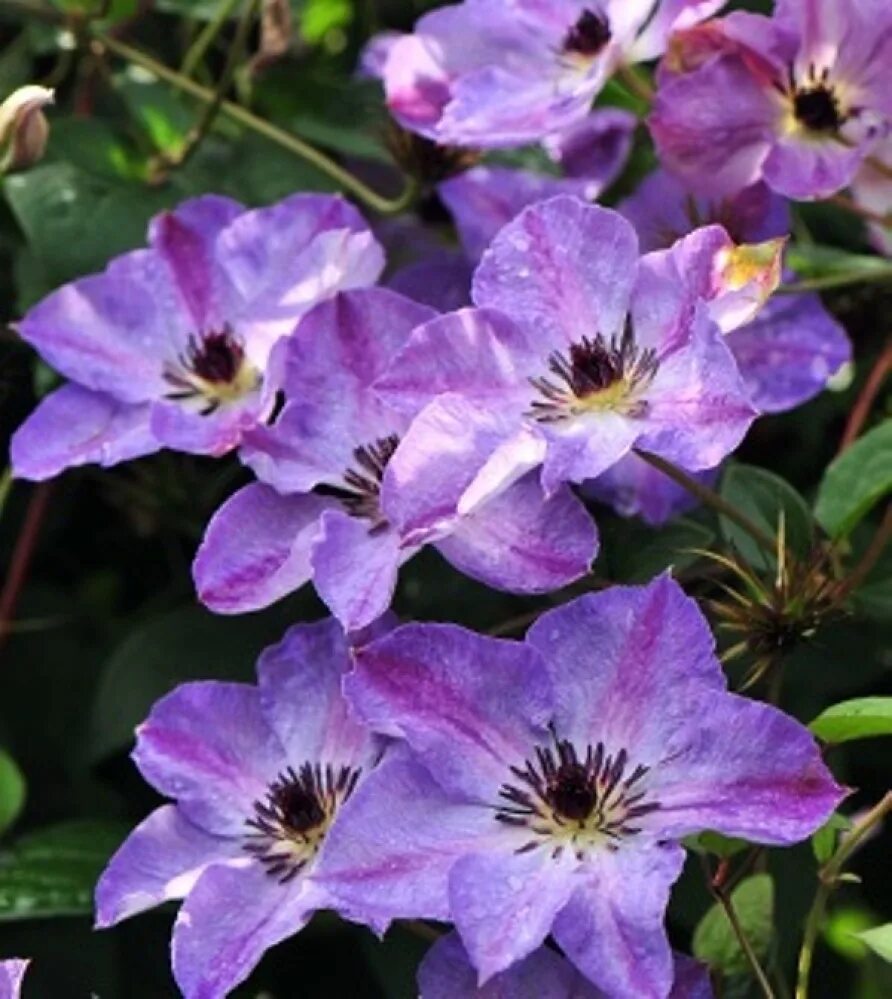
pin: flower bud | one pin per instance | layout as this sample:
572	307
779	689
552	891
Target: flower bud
24	129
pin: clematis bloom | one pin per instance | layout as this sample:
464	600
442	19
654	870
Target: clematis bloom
259	776
797	100
487	73
326	506
579	350
170	345
542	787
11	974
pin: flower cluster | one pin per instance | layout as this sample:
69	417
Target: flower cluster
515	789
388	391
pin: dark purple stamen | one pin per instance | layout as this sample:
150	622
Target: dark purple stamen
588	36
212	360
361	491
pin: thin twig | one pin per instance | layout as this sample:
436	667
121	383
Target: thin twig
869	559
843	280
711	499
725	902
864	403
205	40
22	555
828	879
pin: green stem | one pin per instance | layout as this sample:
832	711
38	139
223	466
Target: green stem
828	878
204	124
711	499
842	280
758	972
205	40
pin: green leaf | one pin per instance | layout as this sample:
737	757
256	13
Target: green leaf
861	718
321	16
714	939
764	497
12	791
859	478
816	261
53	872
879	940
823	843
716	844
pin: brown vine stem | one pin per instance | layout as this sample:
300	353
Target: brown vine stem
865	401
22	554
869	559
710	498
828	879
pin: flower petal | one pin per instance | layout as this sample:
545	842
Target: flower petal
207	745
469	706
300	695
232	916
158	862
256	549
613	929
563	270
74	426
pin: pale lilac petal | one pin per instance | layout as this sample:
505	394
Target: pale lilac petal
542	271
636	649
416	84
691	980
504	904
596	149
74	426
520	453
746	770
207	745
586	447
480	354
232	916
300	695
787	355
807	168
437	459
442	281
355	567
486	198
158	862
522	542
175	426
12	973
469	706
613	927
256	549
714	127
447	973
396	838
698	407
185	239
113	332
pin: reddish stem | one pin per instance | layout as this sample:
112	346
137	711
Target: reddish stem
865	401
22	555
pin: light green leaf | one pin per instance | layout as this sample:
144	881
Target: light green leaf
12	791
716	844
53	872
859	478
823	843
861	718
879	940
714	939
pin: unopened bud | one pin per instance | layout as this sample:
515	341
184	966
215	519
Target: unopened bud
744	278
24	129
275	33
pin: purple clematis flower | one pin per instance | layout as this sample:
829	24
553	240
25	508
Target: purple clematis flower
578	352
488	73
543	786
798	99
447	973
170	345
785	355
11	974
259	776
328	505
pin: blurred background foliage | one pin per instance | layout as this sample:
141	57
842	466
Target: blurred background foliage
106	619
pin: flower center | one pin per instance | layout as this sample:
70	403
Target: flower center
575	803
290	823
588	36
213	369
360	494
598	375
816	105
